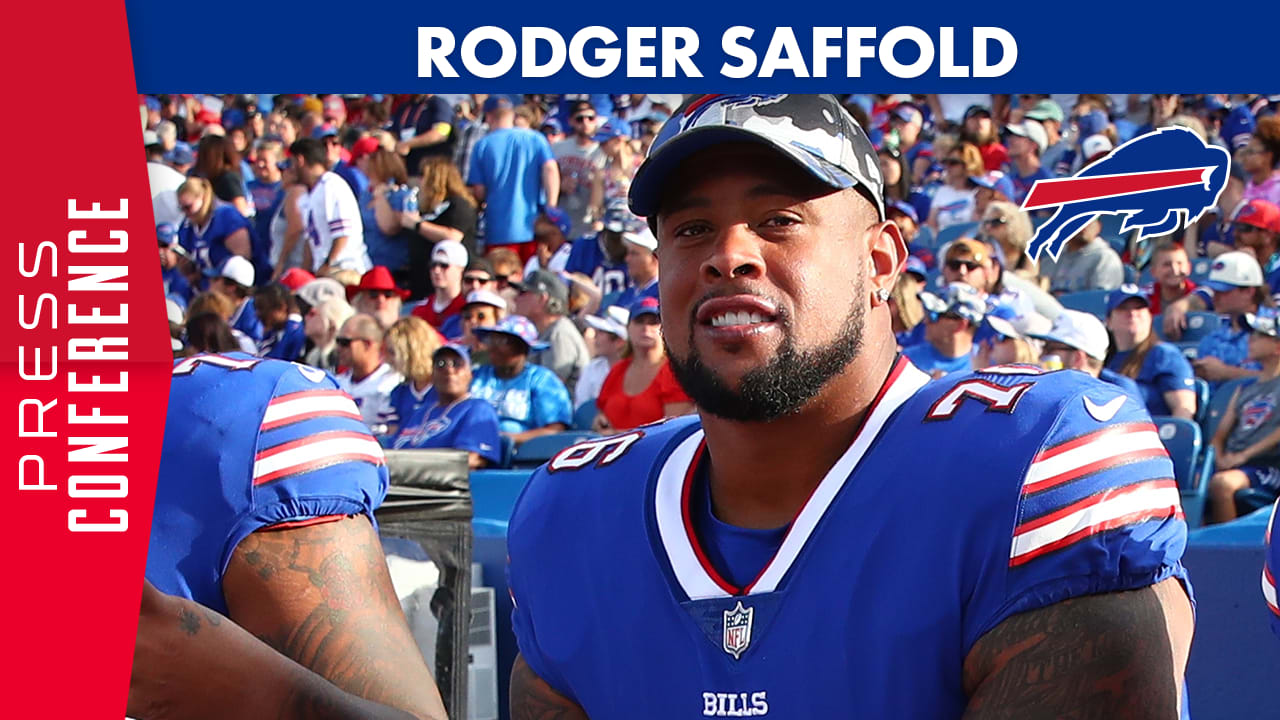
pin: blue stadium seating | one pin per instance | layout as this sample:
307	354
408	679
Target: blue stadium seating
1218	406
1199	324
585	415
952	233
1130	274
541	449
1093	302
494	492
1202	403
1191	467
1200	270
925	238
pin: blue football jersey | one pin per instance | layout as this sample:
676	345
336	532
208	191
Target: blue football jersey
588	257
251	443
207	246
1270	570
959	503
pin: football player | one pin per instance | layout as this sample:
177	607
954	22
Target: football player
264	514
834	535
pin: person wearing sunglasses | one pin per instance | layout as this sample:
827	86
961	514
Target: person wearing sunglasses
484	308
368	379
447	261
953	202
455	420
579	161
952	317
529	399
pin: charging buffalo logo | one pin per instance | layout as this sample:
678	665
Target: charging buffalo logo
1157	182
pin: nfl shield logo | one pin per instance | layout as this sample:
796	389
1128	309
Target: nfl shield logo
737	630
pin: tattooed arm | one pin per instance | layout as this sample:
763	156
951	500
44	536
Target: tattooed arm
191	663
533	699
1116	655
321	594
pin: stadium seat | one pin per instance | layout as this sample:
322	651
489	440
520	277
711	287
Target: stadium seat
1218	403
1181	437
1250	500
533	453
1199	324
1200	270
494	493
1145	277
925	238
1130	274
951	233
1202	403
585	415
1093	302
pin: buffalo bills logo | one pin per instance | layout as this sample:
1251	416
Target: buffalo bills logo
695	110
1255	413
1157	182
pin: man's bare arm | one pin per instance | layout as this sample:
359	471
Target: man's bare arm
1115	655
322	595
192	663
533	699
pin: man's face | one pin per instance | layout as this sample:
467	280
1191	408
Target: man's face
450	374
334	148
529	303
1072	359
962	267
1262	347
1235	300
504	349
763	287
355	350
375	302
445	275
1172	268
641	262
1020	146
477	280
308	174
979	126
584	122
264	167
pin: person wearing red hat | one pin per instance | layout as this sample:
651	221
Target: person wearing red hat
295	278
378	295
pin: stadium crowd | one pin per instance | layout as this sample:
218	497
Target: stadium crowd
468	269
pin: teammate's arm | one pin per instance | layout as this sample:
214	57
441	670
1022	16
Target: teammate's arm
1114	655
192	663
533	699
321	594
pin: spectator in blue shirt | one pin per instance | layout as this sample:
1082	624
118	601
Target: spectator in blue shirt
529	399
1238	287
387	194
1079	341
603	257
455	419
513	173
953	316
234	281
283	336
212	230
1163	375
1027	142
266	188
409	345
176	285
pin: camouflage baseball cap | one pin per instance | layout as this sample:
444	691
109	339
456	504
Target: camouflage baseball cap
815	131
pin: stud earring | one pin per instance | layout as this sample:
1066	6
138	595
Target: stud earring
882	295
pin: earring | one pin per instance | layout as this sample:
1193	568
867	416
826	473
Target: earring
882	295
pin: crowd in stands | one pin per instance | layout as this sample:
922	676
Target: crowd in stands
467	267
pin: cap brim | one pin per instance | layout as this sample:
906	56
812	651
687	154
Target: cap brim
605	325
650	180
533	347
1219	286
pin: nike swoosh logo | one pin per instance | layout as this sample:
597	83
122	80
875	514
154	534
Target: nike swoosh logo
1106	411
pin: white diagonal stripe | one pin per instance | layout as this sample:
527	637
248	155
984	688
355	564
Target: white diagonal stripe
695	581
1089	453
1151	498
279	411
317	449
1269	591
